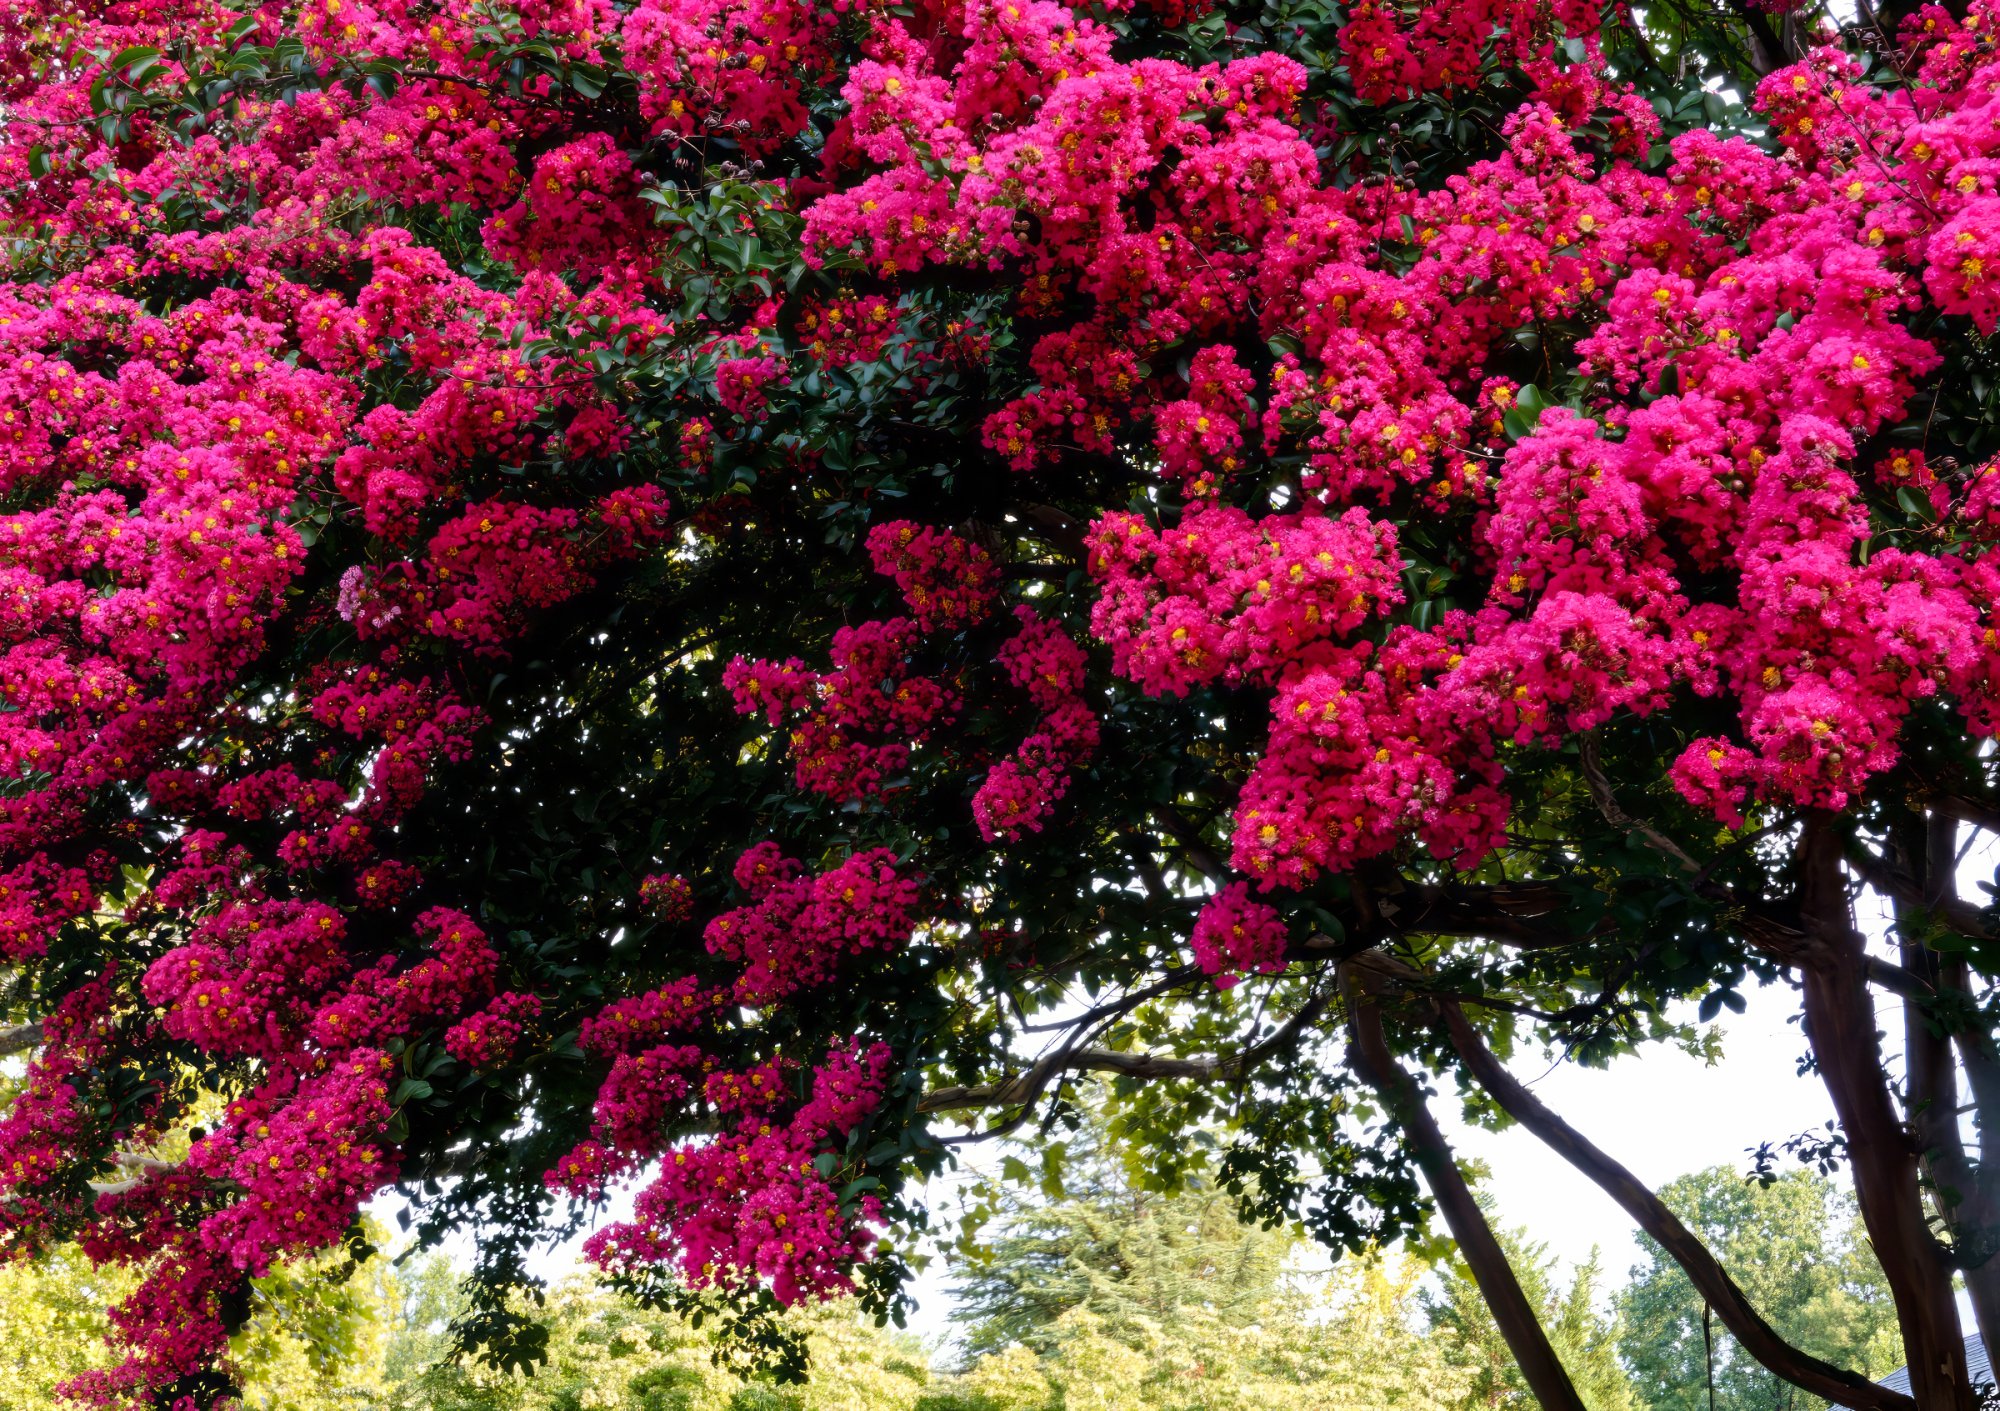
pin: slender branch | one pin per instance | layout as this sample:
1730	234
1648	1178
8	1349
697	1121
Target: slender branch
1022	1089
1168	983
1505	912
1901	888
1607	804
1895	979
1059	528
1965	810
1763	37
1193	848
1025	1087
145	1166
1761	930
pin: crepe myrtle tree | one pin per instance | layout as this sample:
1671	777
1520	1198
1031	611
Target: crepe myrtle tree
727	596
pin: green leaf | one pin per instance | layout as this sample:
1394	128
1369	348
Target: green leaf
127	59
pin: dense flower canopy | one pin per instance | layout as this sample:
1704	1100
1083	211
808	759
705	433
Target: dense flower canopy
617	592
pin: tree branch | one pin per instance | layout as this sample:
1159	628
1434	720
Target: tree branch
1902	889
1023	1088
1369	1055
20	1037
1607	804
1503	912
1650	1213
1841	1025
1059	528
1166	984
132	1161
1193	848
1895	979
1763	37
1965	810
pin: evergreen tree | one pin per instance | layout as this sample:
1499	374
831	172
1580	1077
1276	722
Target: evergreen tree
1103	1293
1122	1254
1583	1335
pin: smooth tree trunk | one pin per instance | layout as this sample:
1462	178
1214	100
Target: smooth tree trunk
1840	1024
1963	1193
1519	1322
1982	1279
1650	1213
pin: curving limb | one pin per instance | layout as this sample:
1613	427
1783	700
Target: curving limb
1650	1213
1370	1056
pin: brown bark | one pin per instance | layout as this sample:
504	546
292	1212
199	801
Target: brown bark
1767	48
1840	1023
1964	1196
1982	1279
1710	1279
1520	1325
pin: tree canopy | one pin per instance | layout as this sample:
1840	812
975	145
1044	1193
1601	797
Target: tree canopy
726	596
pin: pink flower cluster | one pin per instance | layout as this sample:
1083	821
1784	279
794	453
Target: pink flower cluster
1446	47
760	1200
668	896
722	65
947	581
1223	596
798	929
744	385
1019	792
251	976
580	211
848	330
492	1037
1200	437
1235	934
853	725
289	1165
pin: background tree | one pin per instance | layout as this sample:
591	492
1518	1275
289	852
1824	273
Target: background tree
1799	1252
1118	1253
1110	1291
604	1351
313	1338
1584	1337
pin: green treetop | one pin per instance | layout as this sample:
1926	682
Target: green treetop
1798	1250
